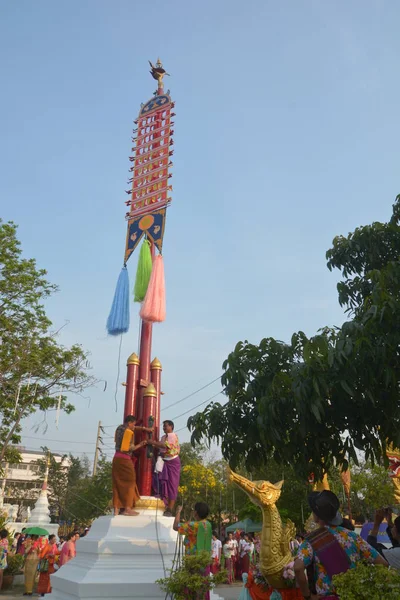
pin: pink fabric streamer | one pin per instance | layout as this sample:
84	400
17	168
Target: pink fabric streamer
154	305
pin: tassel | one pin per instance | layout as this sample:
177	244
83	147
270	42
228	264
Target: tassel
153	308
143	272
118	319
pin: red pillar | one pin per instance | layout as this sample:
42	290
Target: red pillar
145	354
131	388
146	464
155	371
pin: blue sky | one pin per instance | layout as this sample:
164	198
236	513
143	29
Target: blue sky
286	135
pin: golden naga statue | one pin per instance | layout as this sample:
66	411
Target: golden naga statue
275	551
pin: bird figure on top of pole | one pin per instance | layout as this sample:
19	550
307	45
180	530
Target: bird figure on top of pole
158	72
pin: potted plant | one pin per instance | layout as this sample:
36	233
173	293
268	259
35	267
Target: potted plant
14	566
368	582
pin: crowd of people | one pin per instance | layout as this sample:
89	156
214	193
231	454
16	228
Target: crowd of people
332	548
43	555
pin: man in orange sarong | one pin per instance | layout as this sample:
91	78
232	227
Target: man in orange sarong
125	491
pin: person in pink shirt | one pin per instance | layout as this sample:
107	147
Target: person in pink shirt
69	550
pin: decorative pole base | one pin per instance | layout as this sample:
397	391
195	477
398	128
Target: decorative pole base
120	558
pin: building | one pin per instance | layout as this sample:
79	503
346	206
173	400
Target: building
24	480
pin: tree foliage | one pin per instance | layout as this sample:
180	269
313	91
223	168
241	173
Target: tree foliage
316	400
36	371
371	488
75	496
92	497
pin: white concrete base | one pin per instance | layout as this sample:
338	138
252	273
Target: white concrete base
121	557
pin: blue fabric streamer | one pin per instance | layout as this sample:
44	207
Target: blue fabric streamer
118	319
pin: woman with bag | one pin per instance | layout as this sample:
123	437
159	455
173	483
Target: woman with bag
46	565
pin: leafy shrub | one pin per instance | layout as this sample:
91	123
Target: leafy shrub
188	581
14	564
368	582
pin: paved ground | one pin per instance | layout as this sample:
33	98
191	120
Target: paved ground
228	592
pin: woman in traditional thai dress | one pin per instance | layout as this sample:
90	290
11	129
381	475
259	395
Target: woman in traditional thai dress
245	554
3	553
46	565
31	550
228	551
69	549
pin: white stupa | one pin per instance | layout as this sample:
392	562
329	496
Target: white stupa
40	514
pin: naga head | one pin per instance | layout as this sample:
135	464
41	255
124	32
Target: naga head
261	493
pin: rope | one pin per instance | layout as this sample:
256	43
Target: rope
158	538
87	501
118	373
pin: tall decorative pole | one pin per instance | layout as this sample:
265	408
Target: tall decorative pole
149	198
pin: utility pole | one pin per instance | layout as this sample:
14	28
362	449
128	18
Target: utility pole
96	454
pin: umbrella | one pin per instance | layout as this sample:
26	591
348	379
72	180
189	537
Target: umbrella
36	531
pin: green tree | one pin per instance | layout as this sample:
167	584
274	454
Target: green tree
371	489
190	455
36	371
74	494
91	497
64	477
313	402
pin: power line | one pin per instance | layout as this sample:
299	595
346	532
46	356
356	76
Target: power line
197	406
192	394
182	400
33	437
39	451
181	429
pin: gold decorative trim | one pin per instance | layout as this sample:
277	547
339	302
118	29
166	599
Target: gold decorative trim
150	391
133	359
156	365
150	503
